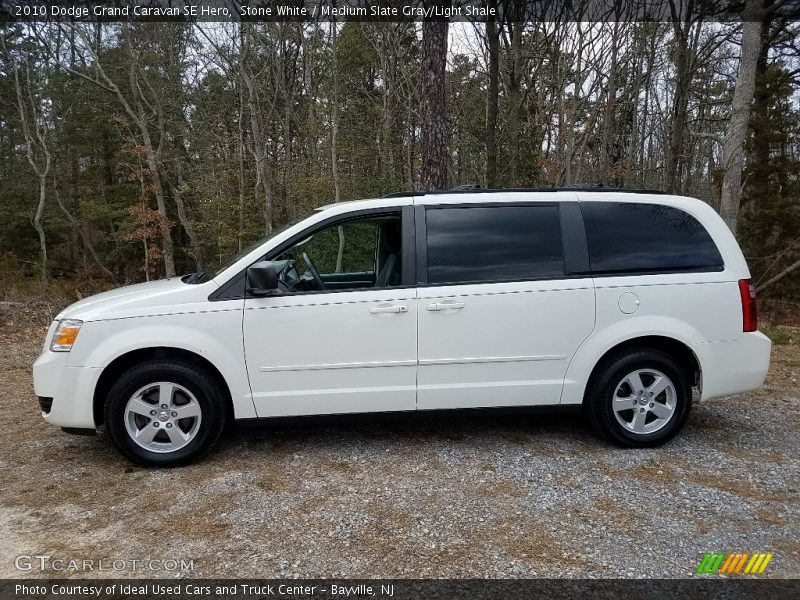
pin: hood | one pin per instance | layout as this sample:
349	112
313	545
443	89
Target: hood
155	297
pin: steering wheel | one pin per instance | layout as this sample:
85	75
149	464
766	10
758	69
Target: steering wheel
314	273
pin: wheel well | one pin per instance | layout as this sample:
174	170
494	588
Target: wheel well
677	350
123	363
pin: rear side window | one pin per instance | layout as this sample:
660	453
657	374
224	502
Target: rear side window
502	243
646	238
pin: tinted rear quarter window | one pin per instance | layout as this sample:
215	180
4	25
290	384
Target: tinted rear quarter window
647	238
498	243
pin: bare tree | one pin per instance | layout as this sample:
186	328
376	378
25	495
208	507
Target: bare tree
609	129
337	192
572	112
36	149
78	228
258	146
684	26
733	146
492	94
511	31
135	109
434	127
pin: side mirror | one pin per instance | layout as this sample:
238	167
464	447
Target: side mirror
262	278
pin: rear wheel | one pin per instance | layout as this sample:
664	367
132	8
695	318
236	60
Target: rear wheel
164	413
640	398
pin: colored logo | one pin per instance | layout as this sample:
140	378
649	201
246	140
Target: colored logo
737	562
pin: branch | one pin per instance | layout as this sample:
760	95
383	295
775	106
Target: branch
708	136
72	71
779	256
793	267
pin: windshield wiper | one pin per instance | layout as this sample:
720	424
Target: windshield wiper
196	277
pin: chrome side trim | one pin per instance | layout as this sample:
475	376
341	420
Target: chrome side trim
352	365
489	359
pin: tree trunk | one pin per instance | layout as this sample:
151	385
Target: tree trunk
288	85
182	154
194	242
645	140
680	106
263	181
608	116
164	223
33	141
240	124
733	145
434	126
37	222
337	193
515	95
492	94
569	170
386	48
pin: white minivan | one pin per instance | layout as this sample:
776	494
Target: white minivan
612	301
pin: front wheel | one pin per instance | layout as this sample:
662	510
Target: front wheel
164	413
640	398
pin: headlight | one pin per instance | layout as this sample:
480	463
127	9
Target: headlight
65	335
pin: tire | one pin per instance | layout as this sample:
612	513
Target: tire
152	436
633	419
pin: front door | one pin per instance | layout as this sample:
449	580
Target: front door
499	320
341	335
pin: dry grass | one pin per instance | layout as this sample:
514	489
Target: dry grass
769	518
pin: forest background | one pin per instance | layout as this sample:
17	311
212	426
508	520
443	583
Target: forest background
137	150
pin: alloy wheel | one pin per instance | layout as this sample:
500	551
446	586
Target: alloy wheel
644	401
162	417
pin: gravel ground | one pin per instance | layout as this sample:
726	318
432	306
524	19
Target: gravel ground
526	496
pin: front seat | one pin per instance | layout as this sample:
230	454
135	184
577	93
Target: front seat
389	273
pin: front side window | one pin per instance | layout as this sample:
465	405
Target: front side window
490	244
628	237
356	253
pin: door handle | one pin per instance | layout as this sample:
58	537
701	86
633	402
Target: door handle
400	308
445	306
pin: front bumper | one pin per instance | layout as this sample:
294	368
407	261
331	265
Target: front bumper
70	388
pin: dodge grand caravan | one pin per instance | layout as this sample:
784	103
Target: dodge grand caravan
620	303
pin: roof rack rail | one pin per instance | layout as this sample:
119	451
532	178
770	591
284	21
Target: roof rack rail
475	189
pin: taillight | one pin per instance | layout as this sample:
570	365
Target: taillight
749	311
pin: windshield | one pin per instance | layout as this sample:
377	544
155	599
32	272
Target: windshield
245	251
